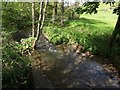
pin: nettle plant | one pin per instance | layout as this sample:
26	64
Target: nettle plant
25	46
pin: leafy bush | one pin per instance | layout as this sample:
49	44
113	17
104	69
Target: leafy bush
25	45
16	16
16	69
87	32
59	39
88	8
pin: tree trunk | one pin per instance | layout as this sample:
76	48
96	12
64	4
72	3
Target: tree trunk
6	4
40	18
110	5
33	19
43	18
115	32
54	12
72	15
41	21
56	8
62	13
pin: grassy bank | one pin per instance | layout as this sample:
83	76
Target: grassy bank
91	31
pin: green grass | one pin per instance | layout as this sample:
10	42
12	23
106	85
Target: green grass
92	31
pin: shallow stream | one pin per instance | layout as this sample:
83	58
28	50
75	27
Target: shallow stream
66	66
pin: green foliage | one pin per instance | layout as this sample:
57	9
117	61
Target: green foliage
16	16
15	68
59	39
88	7
25	45
117	10
79	10
92	31
70	12
55	36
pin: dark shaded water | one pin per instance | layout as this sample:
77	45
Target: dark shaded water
64	66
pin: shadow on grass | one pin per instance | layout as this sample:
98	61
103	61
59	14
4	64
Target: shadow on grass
99	45
102	49
84	21
95	36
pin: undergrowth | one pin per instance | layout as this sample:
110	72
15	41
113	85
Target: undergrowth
16	68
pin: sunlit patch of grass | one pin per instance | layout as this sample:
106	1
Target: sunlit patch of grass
93	31
105	14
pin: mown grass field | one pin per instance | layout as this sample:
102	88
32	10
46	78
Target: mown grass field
91	31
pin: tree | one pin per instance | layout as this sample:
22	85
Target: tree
111	2
54	12
40	21
71	11
88	7
62	13
17	14
117	26
40	18
43	18
33	18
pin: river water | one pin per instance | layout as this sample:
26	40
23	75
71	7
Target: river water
65	66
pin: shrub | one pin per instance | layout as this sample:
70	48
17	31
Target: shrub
59	39
25	45
16	68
